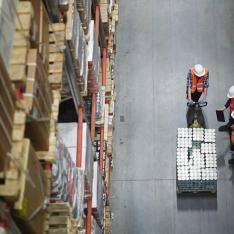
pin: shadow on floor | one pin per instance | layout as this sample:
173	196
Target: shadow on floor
232	168
203	201
221	157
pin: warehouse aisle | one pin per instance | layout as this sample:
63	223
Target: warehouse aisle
158	41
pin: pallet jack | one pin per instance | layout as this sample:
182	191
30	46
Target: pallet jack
195	117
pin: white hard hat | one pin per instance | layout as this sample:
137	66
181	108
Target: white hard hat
199	70
232	114
231	92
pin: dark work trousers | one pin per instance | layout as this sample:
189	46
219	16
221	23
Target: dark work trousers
191	111
231	120
195	96
230	123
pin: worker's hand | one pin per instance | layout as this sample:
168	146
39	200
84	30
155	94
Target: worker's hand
190	102
203	99
221	109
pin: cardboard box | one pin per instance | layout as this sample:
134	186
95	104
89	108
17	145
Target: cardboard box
33	184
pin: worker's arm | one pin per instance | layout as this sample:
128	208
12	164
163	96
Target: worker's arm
227	104
189	94
206	86
204	94
189	85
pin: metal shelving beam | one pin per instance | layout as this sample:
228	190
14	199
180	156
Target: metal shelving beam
101	40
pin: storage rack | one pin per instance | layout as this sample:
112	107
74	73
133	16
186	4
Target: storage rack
44	75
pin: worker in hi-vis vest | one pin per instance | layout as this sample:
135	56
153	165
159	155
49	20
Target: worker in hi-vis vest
229	103
197	85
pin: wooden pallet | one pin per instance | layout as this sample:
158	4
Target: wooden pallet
56	56
107	220
109	141
23	177
38	93
49	155
59	219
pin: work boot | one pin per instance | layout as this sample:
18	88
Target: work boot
232	147
231	161
224	128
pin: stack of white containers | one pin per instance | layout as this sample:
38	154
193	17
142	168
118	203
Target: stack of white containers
94	56
196	154
68	133
67	181
97	196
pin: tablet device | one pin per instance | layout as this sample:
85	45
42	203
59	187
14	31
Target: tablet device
220	116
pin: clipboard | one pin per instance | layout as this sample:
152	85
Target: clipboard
220	116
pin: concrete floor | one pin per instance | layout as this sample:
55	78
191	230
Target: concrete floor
158	41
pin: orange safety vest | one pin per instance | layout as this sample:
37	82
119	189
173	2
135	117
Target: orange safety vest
232	105
198	84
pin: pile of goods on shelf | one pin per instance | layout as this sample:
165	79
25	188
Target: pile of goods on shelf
196	160
38	176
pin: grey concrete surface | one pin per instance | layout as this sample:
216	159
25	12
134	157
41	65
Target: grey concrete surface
158	41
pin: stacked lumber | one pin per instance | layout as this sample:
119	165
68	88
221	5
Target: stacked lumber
113	25
37	79
55	74
30	96
104	8
107	220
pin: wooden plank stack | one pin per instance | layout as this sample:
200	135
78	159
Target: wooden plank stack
56	56
104	5
30	97
59	219
113	25
107	220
